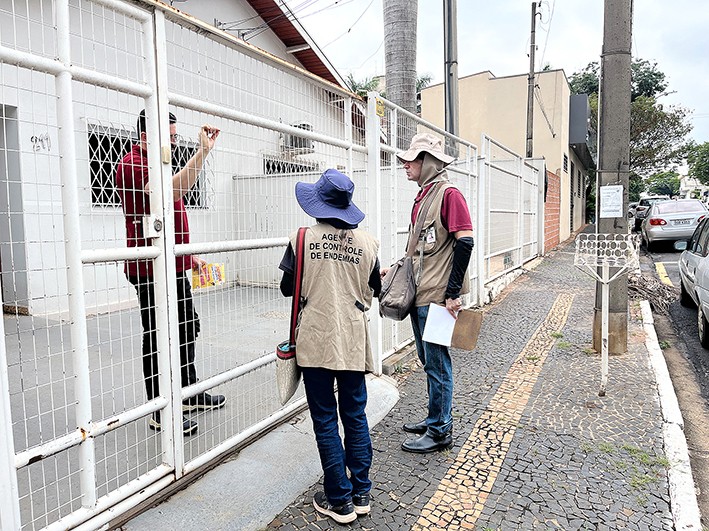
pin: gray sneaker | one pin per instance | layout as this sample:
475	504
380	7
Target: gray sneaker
188	426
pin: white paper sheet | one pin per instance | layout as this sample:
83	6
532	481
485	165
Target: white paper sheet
439	325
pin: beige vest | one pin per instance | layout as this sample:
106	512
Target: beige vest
333	332
437	244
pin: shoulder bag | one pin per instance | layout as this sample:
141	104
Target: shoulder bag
287	370
398	293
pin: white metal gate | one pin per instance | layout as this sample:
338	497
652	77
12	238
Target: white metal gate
512	198
75	446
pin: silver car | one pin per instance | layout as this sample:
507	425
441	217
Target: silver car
672	220
694	276
643	207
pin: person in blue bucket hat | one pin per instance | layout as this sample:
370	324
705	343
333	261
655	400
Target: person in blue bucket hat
340	277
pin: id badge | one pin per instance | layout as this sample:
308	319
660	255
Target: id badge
431	235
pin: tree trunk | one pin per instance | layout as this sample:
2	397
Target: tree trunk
400	53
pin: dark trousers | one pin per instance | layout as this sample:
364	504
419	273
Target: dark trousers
356	456
188	326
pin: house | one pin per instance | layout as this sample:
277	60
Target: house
263	67
690	188
497	107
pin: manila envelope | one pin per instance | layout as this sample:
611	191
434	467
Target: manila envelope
466	329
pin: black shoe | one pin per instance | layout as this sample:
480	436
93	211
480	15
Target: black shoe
189	426
203	401
361	503
418	427
342	514
428	443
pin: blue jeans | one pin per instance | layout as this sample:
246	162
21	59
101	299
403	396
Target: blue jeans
436	361
357	452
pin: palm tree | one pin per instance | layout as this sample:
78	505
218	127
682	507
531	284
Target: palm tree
362	87
400	51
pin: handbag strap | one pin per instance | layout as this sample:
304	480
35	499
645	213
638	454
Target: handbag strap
297	282
421	217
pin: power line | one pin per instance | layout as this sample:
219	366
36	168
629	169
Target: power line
290	15
548	30
352	26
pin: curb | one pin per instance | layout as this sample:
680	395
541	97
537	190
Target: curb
683	496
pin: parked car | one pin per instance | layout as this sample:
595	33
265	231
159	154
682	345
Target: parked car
631	209
644	206
672	220
694	276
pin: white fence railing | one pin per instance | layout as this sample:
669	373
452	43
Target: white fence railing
74	74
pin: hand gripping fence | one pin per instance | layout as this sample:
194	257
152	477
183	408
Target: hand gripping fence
602	252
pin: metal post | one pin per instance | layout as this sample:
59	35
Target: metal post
450	38
604	340
9	494
482	230
72	244
348	133
614	153
162	203
530	85
376	217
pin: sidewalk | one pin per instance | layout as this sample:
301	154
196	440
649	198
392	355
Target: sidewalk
535	447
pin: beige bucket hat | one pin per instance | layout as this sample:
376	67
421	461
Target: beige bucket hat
428	143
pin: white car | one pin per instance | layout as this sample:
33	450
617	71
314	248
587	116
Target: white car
694	276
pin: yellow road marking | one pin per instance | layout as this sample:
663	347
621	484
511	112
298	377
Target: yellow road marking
662	273
461	495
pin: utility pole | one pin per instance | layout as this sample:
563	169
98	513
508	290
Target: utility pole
614	157
530	85
450	39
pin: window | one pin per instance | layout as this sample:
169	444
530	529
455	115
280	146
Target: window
108	145
274	165
701	247
181	153
566	163
573	170
580	183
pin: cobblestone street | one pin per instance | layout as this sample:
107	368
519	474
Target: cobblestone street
535	447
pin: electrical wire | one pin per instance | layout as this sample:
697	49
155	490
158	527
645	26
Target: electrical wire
352	26
289	14
548	30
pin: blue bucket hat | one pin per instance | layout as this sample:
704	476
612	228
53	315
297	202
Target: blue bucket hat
329	197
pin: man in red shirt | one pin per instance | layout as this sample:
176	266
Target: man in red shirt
441	259
134	189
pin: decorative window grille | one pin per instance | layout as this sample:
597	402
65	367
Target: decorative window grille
275	165
108	145
566	163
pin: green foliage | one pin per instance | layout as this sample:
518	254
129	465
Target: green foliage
698	161
587	80
422	82
635	188
647	80
362	87
663	183
658	135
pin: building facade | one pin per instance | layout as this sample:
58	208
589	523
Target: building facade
497	107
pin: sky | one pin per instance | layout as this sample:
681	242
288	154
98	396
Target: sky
494	35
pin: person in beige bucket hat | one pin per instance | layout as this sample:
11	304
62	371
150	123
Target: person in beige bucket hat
441	260
428	143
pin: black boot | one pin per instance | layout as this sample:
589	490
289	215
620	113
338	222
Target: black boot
428	443
418	427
